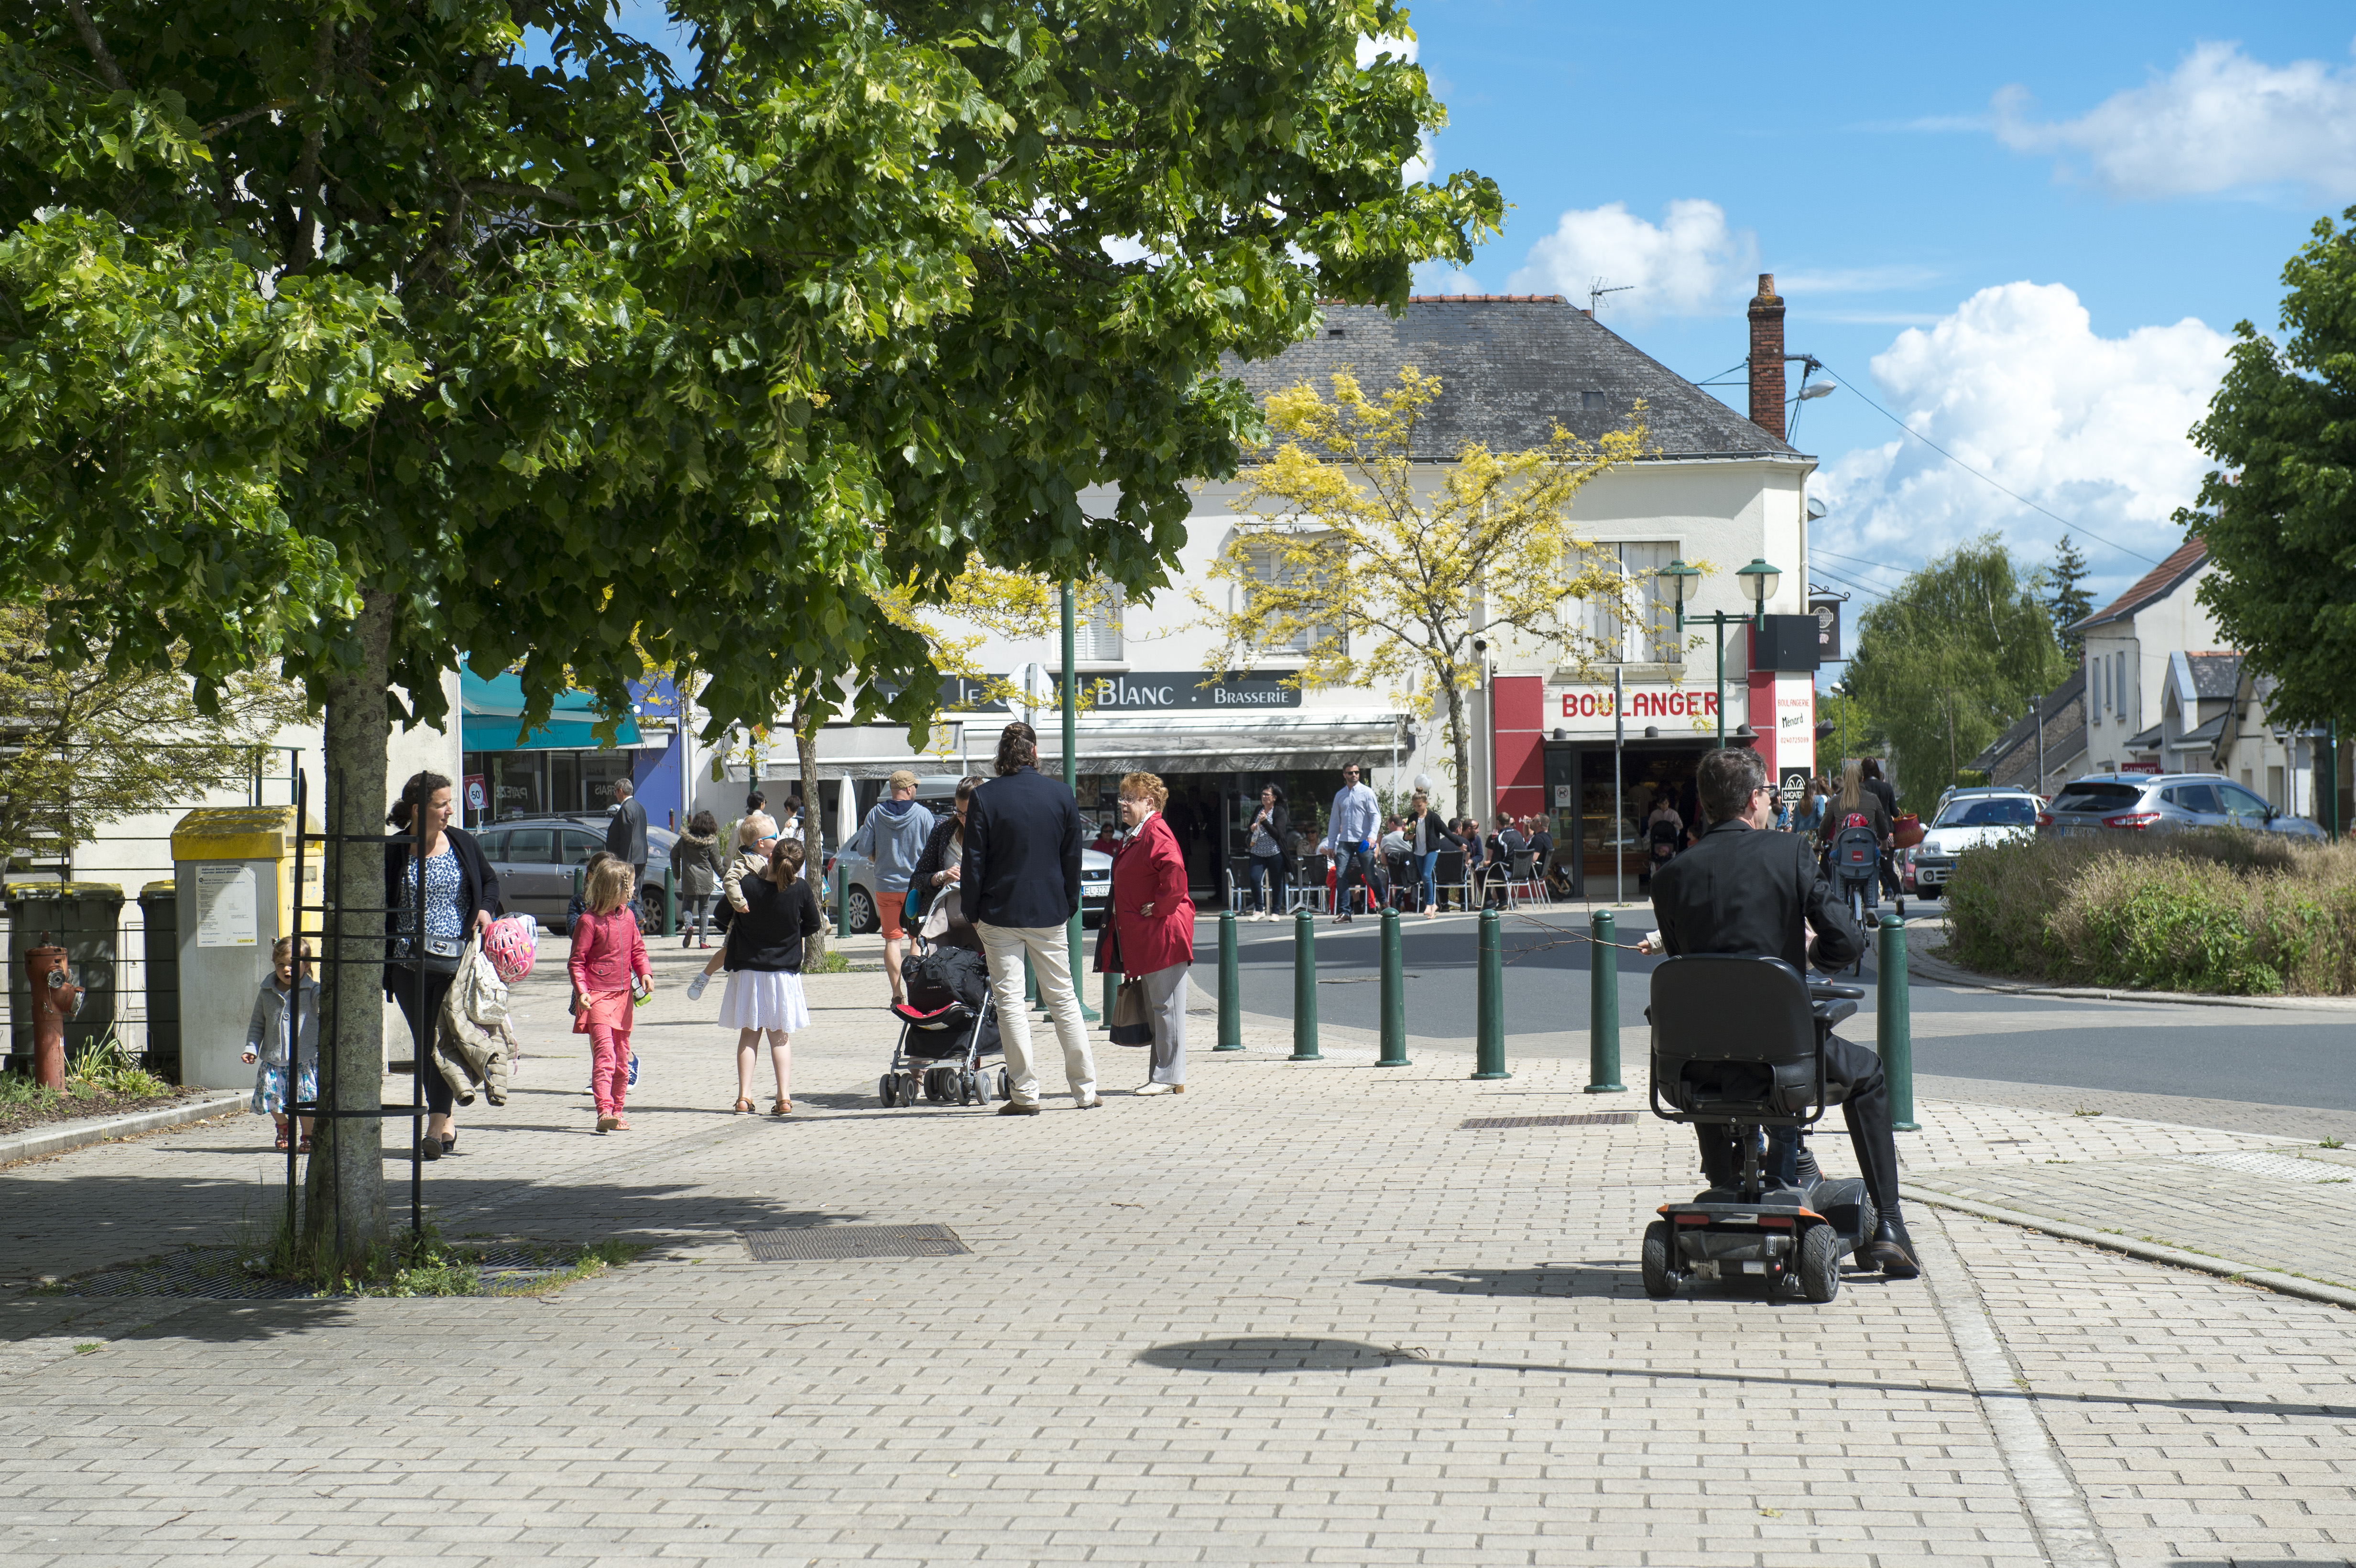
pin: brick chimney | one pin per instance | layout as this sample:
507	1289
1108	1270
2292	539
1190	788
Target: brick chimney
1767	358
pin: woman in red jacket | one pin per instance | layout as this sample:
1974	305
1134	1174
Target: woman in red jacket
1152	926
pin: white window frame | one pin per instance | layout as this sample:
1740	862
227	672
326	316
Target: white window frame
1657	643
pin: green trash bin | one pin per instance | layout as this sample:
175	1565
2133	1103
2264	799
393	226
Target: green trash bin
159	908
82	918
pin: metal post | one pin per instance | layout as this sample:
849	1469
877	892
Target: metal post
1489	1052
2038	708
1029	980
1602	1006
1071	782
1394	995
1619	798
1719	617
1894	1025
841	897
1304	987
671	907
2332	775
1231	1001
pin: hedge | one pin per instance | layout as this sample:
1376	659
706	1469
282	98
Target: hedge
2221	911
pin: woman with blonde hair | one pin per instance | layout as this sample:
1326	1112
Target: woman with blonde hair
1148	933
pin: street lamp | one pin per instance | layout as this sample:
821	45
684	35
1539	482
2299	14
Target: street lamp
1759	581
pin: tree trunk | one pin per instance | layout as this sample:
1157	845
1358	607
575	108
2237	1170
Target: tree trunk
1462	745
813	839
344	1193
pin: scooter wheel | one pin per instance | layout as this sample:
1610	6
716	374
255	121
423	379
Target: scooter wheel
1869	1220
1819	1271
1660	1277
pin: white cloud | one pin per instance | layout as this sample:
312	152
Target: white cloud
2015	383
1385	43
2222	121
1440	278
1855	280
1690	263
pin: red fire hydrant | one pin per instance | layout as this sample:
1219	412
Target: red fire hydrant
56	998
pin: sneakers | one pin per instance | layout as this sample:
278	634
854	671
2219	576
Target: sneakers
1162	1089
1089	1104
634	1069
694	994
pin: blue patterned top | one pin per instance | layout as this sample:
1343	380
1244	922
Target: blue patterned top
443	887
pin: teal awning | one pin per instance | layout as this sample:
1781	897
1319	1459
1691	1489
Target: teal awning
494	712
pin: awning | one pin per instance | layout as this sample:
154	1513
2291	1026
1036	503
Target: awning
1202	742
493	710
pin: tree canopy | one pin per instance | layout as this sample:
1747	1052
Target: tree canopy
1952	658
2279	513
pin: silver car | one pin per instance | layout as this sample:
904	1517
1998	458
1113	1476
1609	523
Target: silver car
2148	803
535	859
858	879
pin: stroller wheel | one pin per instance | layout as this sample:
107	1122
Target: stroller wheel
965	1088
1660	1283
1004	1090
887	1089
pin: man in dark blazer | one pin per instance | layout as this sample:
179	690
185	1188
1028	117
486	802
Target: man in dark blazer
1020	882
1743	889
626	831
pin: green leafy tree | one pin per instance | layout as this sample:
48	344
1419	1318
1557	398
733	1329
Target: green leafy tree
2066	599
346	339
2279	513
1951	659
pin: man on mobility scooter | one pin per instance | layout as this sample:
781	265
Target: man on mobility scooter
1745	892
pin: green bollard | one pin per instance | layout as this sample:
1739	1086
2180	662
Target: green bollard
1393	996
1231	1000
1029	980
1894	1025
1489	1050
1110	990
841	903
670	908
1304	987
1603	1007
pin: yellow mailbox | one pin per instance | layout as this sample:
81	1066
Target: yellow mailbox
233	868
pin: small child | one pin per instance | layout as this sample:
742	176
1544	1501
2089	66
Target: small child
284	1034
756	837
608	966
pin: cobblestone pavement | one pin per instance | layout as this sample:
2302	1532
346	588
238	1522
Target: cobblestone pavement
1298	1314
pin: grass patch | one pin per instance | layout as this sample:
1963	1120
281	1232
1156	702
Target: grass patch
2219	910
430	1265
104	1080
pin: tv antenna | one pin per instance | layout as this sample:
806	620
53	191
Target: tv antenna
1597	290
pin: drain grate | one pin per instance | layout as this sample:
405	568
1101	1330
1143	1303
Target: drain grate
1598	1119
219	1274
853	1242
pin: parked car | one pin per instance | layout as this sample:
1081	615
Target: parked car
938	795
536	856
2147	803
1967	819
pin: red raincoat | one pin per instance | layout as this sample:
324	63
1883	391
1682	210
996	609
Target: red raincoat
1149	869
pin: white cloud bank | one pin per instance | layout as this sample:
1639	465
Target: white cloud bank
1690	263
2220	121
2017	383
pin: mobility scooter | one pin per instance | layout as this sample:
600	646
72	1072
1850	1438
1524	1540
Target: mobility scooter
1738	1042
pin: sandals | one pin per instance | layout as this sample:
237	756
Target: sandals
744	1107
304	1147
782	1108
282	1139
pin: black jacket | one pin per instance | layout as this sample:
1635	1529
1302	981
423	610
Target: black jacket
1280	827
478	885
1021	852
776	922
1426	834
626	833
935	857
1738	890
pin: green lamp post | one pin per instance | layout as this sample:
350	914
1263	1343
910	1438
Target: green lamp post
1759	581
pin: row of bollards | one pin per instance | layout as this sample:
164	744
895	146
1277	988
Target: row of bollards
1892	1002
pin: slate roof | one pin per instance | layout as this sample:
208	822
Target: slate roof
2215	674
1510	366
2158	584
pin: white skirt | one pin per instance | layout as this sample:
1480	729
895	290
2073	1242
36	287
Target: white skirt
765	998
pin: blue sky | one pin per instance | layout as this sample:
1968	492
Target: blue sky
2067	207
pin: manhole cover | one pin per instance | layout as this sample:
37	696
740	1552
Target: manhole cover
1598	1119
2281	1167
853	1242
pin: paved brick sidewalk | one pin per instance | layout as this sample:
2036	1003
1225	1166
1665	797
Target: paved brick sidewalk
1297	1315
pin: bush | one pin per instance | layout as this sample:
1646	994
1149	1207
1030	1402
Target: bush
2221	911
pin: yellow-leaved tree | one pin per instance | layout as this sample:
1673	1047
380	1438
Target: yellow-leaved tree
1375	569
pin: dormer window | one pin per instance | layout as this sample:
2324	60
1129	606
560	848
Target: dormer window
1592	400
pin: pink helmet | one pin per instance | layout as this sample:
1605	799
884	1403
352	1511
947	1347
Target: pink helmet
512	944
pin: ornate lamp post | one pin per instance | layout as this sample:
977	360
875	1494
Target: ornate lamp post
1759	581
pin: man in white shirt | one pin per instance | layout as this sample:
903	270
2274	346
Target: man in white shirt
1350	829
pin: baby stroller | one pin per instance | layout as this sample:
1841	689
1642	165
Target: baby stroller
948	1026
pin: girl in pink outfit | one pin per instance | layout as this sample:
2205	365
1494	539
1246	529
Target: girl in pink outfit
608	958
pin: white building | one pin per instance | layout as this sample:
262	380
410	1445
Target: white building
1720	488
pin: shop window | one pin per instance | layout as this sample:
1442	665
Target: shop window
1651	637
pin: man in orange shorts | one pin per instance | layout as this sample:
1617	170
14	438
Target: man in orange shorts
892	838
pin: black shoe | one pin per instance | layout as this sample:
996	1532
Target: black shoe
429	1148
1892	1250
1012	1109
450	1144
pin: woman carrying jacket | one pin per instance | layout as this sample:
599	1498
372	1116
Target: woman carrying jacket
443	870
1150	930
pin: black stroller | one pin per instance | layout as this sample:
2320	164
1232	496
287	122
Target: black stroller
948	1026
1737	1043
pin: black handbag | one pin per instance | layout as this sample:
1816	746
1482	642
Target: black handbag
1129	1024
